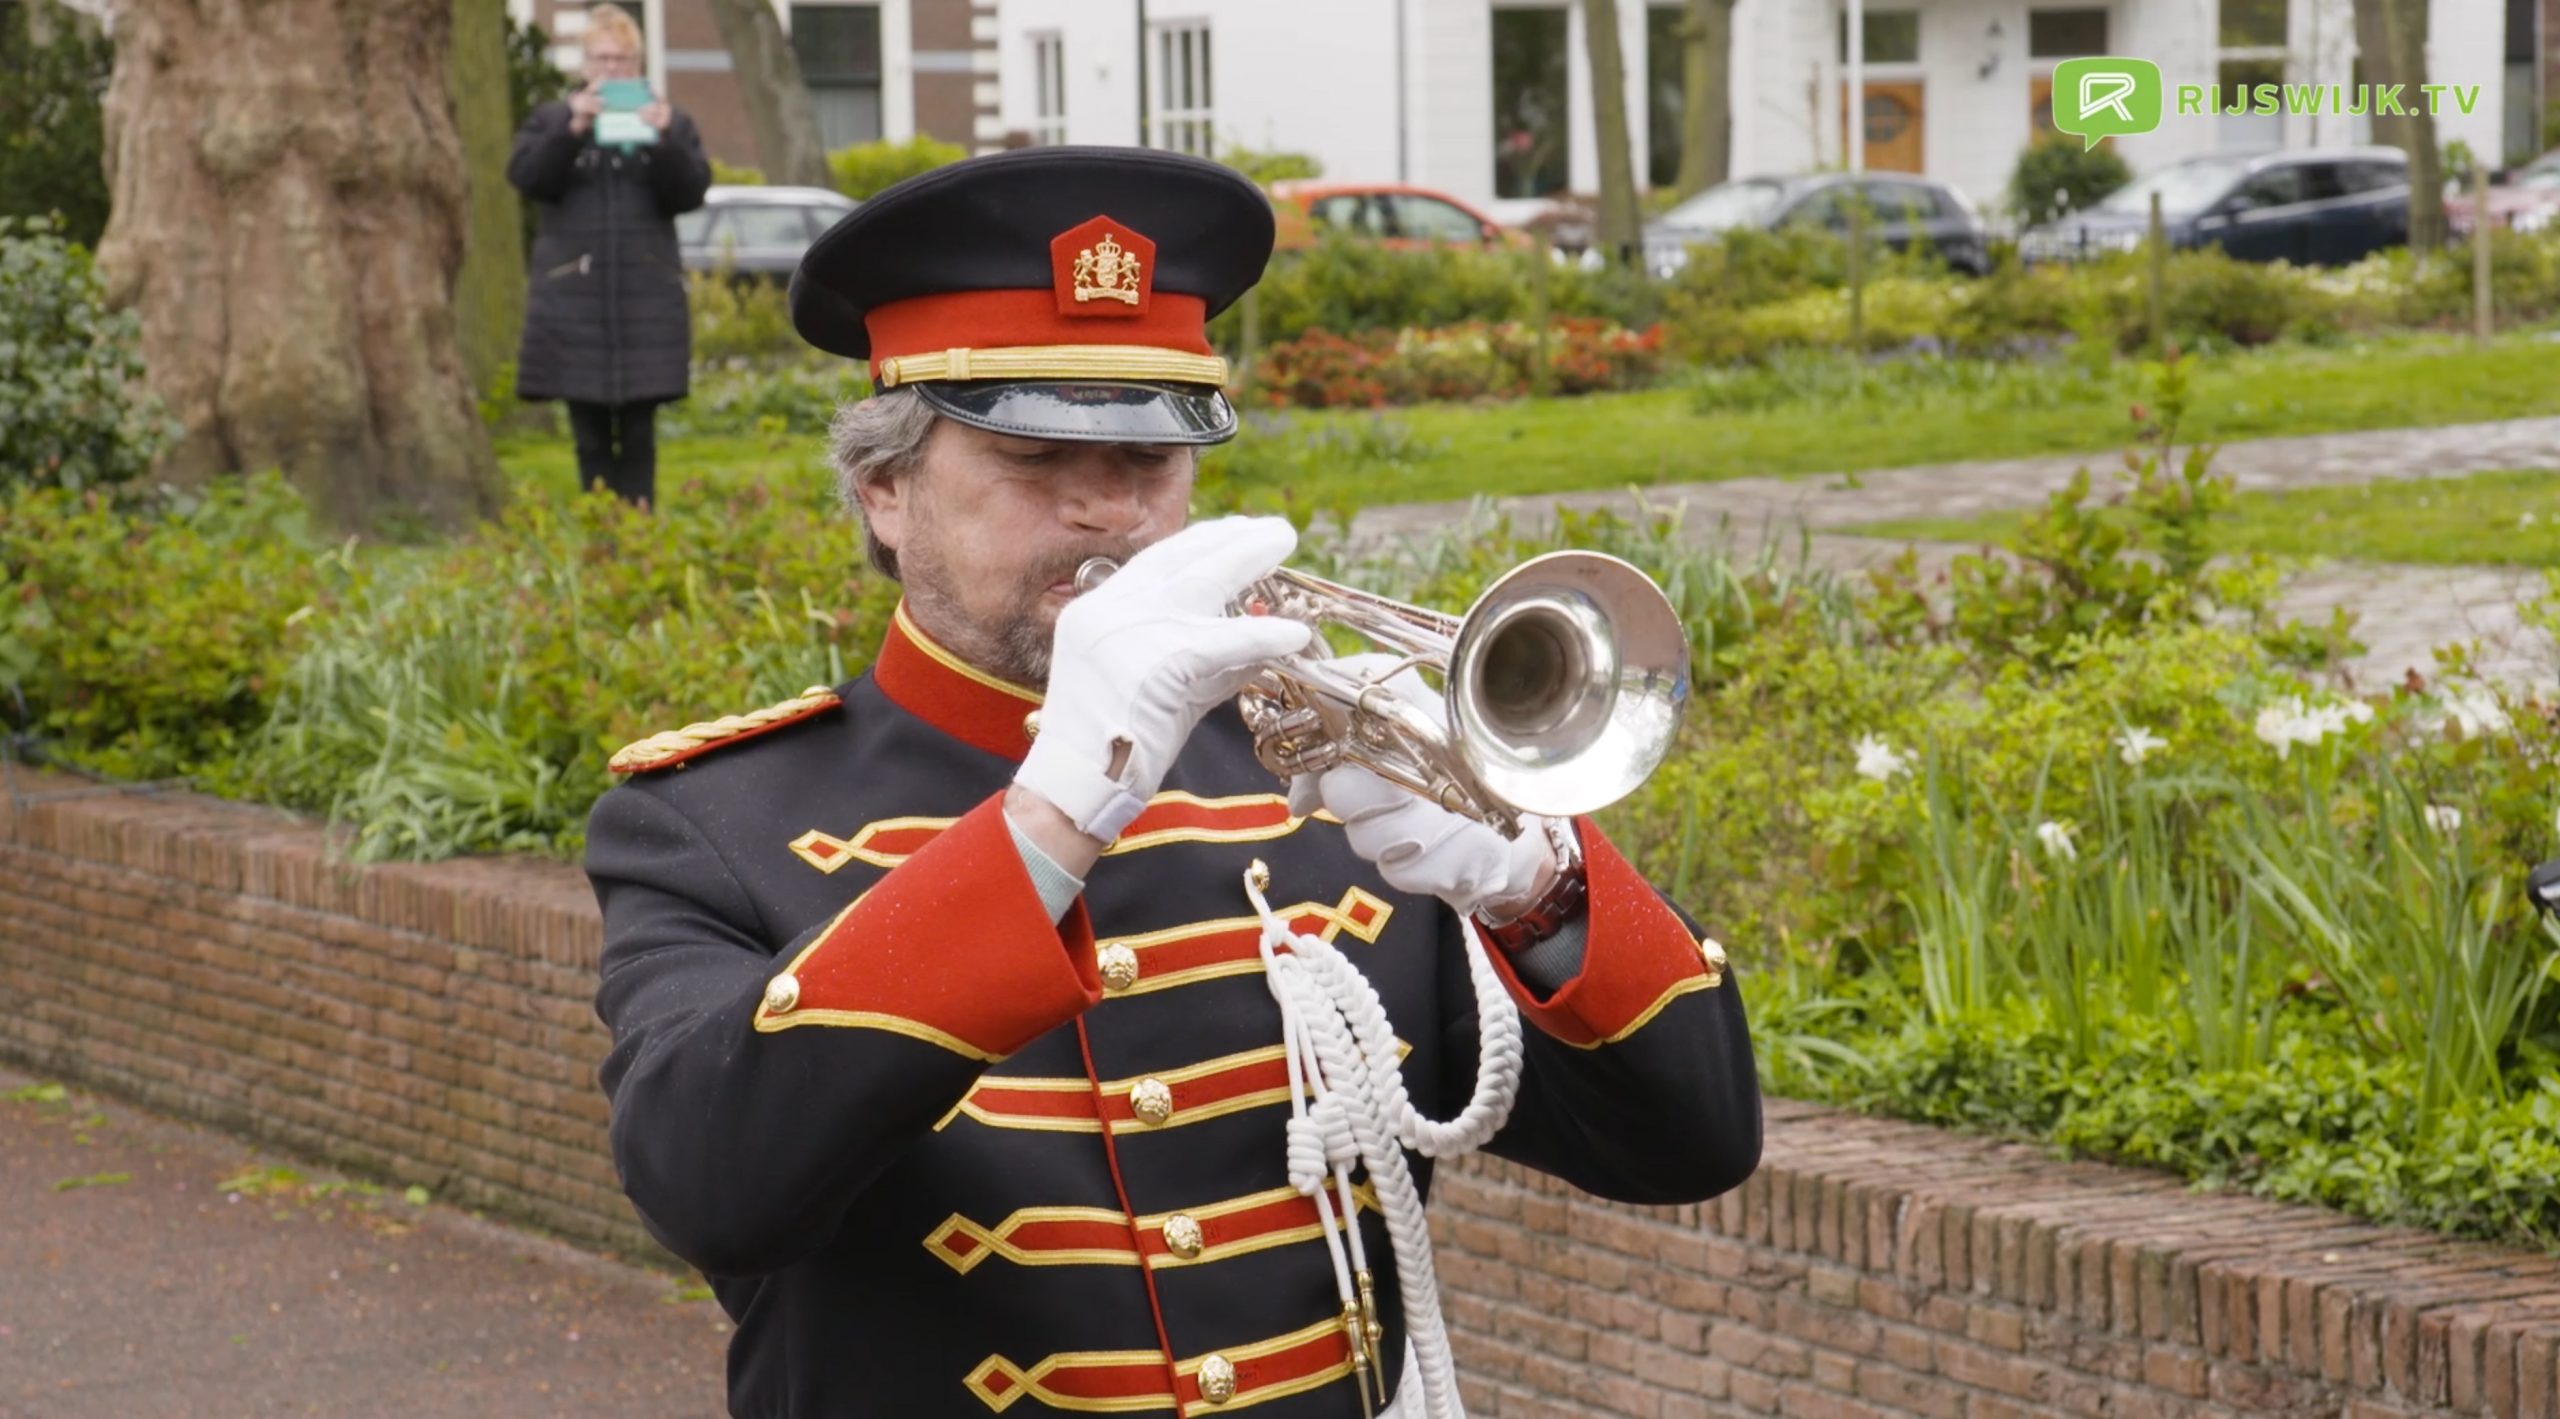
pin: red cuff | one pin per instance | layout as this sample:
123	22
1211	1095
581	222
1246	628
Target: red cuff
953	947
1636	959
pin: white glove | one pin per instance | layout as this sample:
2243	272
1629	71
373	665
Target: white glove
1421	847
1138	660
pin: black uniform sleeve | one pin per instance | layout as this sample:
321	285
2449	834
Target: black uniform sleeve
546	150
756	1091
679	172
1638	1082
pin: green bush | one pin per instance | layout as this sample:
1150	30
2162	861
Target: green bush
470	705
2057	174
1271	167
149	641
741	320
2243	302
1345	284
2392	288
773	400
728	176
72	409
52	120
864	169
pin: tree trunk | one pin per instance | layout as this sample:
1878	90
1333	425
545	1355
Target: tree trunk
777	97
1706	89
288	220
1618	219
2391	38
489	299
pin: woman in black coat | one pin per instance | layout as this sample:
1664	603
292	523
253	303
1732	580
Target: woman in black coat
606	328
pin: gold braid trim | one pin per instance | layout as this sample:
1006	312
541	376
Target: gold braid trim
1055	362
659	748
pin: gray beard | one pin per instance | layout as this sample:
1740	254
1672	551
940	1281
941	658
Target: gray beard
1017	647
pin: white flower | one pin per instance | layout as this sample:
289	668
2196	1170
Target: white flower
2057	841
2292	722
2474	711
2525	521
2136	744
2444	817
1878	760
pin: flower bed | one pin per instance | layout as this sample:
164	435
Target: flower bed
1474	361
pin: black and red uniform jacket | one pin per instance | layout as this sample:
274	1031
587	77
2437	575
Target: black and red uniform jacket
863	1081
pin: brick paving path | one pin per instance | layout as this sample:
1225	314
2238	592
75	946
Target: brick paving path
2403	612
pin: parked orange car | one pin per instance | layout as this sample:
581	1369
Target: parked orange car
1396	213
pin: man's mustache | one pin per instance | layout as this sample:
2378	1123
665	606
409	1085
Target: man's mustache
1064	566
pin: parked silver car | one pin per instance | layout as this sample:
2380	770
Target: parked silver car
757	231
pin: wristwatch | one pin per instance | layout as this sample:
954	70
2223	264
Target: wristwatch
1546	914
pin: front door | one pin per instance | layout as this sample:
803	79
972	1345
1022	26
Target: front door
1893	111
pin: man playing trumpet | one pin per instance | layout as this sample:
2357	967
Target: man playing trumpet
954	1035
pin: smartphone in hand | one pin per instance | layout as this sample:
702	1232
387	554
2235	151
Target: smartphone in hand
620	123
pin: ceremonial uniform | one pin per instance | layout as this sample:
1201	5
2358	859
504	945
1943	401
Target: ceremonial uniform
941	1152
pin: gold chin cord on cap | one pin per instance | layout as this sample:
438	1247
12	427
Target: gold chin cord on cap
1566	682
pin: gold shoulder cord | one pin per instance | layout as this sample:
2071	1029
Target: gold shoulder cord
643	754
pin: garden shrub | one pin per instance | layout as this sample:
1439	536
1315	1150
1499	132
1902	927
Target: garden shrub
2393	288
1474	361
741	320
52	120
147	640
73	411
774	400
470	706
2244	302
1345	284
1267	168
2058	174
863	170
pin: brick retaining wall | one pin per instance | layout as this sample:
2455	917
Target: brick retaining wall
431	1024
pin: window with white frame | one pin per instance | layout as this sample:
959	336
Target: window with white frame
1178	96
1049	88
838	47
2253	62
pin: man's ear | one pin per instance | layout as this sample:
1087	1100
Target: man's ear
886	503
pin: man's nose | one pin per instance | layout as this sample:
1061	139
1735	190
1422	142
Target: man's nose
1100	497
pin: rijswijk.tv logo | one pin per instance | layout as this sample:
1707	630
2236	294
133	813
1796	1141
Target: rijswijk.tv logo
2105	98
2113	96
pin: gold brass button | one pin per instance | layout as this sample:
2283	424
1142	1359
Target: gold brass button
1151	1100
1714	954
782	994
1031	725
1182	1236
1119	966
1217	1379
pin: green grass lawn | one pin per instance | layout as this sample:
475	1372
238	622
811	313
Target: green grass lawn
1344	458
547	464
1656	436
2510	518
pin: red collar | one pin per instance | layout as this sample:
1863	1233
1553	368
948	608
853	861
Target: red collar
926	680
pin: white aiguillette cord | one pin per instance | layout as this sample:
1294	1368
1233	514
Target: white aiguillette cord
1348	1105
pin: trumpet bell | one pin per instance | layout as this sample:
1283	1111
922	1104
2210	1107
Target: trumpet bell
1567	681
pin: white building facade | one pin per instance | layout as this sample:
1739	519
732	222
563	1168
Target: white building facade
1491	98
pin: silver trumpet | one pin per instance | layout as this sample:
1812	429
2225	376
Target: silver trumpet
1565	684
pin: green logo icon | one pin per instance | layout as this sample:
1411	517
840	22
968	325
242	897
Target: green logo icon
2100	98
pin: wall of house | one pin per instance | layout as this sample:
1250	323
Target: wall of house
1313	76
431	1024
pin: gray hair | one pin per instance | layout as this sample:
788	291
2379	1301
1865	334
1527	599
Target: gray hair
874	439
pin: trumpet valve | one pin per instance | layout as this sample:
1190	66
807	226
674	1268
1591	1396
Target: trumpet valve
1293	742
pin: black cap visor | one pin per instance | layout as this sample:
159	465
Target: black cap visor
1087	411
